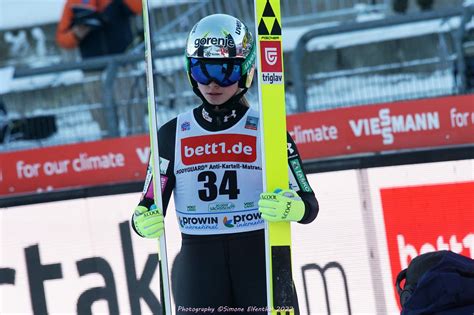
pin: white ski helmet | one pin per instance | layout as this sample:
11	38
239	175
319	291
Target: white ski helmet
222	36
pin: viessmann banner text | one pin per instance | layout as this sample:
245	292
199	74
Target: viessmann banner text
438	122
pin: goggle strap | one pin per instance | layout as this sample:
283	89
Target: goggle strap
230	68
204	70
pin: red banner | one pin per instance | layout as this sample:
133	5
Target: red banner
417	124
446	121
423	219
71	166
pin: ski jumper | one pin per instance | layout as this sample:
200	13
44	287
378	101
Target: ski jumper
212	162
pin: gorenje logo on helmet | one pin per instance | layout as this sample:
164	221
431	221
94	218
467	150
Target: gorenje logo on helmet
217	41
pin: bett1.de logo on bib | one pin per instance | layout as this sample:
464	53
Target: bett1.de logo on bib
218	148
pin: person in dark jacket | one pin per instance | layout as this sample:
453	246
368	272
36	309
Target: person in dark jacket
97	27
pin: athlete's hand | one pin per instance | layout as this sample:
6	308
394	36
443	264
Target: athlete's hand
281	205
148	223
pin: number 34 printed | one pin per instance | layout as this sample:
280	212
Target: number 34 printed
228	185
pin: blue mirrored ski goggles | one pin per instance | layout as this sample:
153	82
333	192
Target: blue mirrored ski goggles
224	72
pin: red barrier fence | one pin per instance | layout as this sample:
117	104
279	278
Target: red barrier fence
439	122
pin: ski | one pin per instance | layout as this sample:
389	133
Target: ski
271	91
155	160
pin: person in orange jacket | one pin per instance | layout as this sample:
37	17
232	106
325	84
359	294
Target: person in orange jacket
97	27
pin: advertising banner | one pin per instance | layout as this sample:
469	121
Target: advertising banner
421	219
418	209
81	256
437	122
103	162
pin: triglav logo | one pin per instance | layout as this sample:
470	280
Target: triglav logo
272	67
271	55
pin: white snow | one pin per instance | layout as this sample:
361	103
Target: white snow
45	80
6	77
292	35
375	88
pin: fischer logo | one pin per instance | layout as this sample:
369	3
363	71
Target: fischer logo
387	125
218	148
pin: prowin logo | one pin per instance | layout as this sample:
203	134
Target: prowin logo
243	220
246	218
197	221
227	222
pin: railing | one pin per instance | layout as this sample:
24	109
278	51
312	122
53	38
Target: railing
173	34
89	104
428	75
171	21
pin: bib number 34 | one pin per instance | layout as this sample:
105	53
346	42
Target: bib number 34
212	189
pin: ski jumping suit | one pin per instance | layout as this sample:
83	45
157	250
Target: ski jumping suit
213	164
